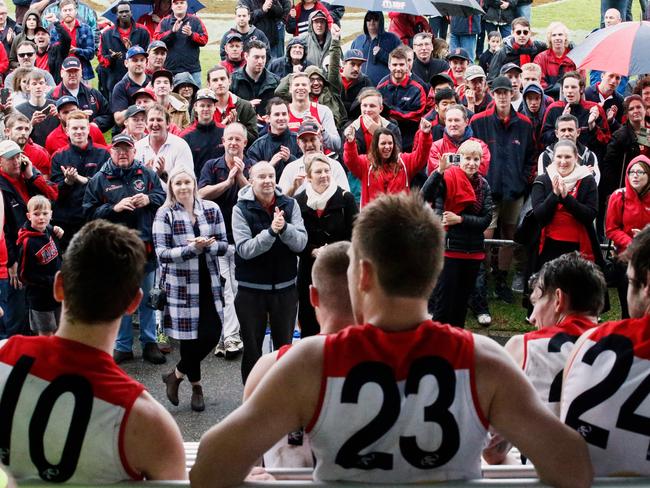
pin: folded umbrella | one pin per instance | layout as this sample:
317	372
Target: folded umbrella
621	48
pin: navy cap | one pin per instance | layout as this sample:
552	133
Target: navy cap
501	83
156	45
134	110
308	128
135	51
509	67
162	73
123	139
441	78
64	100
233	36
71	63
459	53
351	54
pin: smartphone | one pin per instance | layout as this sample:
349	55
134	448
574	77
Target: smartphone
4	96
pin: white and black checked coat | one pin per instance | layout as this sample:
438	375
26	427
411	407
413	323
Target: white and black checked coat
179	263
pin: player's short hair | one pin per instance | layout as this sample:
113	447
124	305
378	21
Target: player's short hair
235	126
581	280
460	107
156	107
255	44
38	202
445	94
299	74
370	92
576	75
493	34
566	118
523	21
532	67
642	84
470	147
63	3
14	118
214	69
390	232
36	75
638	256
312	158
329	276
78	115
630	99
275	101
398	53
423	35
103	260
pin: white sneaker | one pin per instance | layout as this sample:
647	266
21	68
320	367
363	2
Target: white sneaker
232	349
484	319
220	350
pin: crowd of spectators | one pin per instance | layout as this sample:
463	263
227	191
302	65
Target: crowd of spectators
493	124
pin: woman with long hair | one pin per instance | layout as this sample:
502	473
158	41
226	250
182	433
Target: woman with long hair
565	204
385	169
188	235
628	212
328	212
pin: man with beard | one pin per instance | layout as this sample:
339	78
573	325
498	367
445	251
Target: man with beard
17	129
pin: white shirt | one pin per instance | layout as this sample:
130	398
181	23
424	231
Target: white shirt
175	151
298	166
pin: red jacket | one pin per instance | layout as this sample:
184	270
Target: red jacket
58	138
405	26
553	68
4	61
448	145
39	157
626	211
376	182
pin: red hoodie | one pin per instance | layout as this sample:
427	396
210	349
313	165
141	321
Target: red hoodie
627	211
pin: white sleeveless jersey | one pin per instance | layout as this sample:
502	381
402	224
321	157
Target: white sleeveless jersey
605	397
63	407
545	354
398	407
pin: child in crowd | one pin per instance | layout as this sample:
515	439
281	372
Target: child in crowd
39	260
494	43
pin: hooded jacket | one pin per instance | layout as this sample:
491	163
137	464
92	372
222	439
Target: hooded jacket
38	262
449	145
627	210
538	117
316	51
623	148
512	53
292	26
266	260
405	26
376	66
18	38
283	66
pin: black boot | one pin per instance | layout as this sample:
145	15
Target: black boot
172	383
198	405
501	288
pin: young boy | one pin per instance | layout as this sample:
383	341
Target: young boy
494	43
39	260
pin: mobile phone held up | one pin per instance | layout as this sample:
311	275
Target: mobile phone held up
454	159
4	95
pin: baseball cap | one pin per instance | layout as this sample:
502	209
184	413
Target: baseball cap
206	94
8	149
156	45
509	67
71	63
474	71
133	110
308	128
351	54
164	73
123	139
233	36
66	99
318	14
501	83
147	92
440	79
135	51
41	29
459	53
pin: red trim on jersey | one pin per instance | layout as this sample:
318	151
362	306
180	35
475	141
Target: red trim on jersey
282	351
120	444
637	330
295	122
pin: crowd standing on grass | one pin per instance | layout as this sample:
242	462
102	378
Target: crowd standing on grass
238	184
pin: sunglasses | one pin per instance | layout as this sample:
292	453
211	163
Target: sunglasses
25	55
522	32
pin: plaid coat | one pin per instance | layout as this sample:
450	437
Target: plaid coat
179	264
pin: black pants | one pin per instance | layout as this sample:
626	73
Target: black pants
448	302
619	280
193	351
309	326
256	308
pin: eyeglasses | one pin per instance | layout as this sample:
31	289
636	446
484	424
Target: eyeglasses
122	149
522	32
637	172
26	55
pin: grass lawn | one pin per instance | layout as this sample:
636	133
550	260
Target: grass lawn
583	15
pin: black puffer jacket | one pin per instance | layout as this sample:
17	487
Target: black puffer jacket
281	67
510	53
467	236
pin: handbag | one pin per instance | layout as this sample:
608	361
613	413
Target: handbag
528	228
157	296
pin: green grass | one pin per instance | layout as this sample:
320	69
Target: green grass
578	15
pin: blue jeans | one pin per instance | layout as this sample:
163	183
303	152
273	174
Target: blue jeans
439	26
524	11
277	51
196	76
505	29
15	319
644	7
466	42
124	340
620	5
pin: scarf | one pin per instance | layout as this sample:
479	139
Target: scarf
460	192
318	201
570	181
479	191
523	51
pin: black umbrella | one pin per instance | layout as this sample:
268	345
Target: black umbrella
459	8
141	7
413	7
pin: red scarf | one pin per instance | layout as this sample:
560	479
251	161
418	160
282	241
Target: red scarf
523	58
19	185
460	193
346	83
367	136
